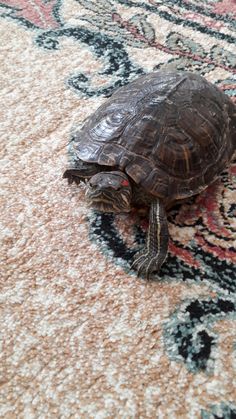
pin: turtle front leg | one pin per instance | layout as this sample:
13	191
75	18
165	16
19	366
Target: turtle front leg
152	256
80	171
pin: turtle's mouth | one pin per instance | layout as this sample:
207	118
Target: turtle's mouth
108	201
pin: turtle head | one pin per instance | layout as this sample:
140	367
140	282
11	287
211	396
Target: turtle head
110	192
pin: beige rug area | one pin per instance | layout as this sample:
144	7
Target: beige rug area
81	335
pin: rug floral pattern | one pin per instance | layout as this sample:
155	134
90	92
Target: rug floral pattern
65	58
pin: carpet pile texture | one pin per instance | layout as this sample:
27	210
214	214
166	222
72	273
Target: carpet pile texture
81	335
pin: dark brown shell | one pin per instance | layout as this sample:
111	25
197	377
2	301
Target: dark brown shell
171	132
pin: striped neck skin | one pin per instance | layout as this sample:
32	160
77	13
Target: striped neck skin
110	192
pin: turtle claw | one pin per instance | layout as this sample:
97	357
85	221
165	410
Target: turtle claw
140	262
145	263
71	177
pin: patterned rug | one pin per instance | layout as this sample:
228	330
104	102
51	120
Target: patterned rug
81	335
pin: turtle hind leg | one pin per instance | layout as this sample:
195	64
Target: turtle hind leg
152	256
80	171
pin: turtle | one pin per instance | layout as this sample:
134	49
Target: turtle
155	142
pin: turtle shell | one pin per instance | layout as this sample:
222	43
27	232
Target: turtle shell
171	132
